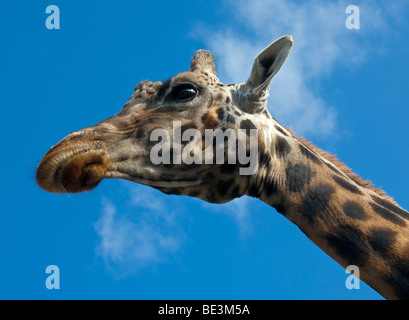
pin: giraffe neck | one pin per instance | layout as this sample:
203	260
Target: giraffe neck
350	221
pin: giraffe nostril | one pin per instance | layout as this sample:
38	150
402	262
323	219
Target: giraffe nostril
84	171
86	160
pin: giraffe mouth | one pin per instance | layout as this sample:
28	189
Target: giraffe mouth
72	170
83	167
155	183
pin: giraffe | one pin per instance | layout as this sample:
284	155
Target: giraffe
347	217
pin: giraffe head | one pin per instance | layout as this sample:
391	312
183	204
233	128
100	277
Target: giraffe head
159	138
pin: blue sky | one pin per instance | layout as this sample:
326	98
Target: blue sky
345	90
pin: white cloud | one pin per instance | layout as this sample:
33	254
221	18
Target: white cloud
138	234
322	43
146	230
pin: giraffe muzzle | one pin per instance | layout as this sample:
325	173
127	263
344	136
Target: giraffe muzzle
74	169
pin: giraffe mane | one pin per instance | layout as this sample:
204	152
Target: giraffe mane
343	167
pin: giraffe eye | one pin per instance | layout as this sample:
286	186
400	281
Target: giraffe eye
185	92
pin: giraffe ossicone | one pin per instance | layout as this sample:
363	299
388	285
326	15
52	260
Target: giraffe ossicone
349	219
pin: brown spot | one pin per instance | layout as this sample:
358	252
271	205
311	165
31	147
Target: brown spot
354	210
381	240
210	119
189	125
392	207
219	97
298	176
309	154
282	147
316	201
350	244
388	215
346	185
341	166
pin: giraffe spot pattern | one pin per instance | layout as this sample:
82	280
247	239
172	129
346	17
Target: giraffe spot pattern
140	133
332	167
354	210
220	113
387	214
219	97
209	120
230	119
298	176
309	154
346	185
316	201
264	158
189	125
282	147
391	207
350	244
381	240
399	279
225	116
247	125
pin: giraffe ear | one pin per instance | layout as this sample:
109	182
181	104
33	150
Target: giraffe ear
202	60
254	92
